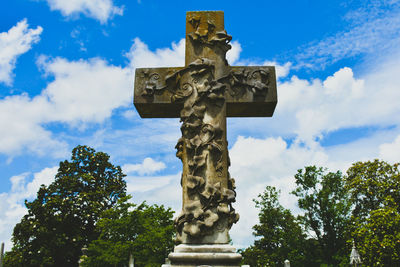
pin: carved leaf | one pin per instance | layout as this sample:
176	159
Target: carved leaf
199	111
231	184
223	209
229	195
200	160
194	208
179	148
206	133
191	228
210	218
194	181
234	217
182	92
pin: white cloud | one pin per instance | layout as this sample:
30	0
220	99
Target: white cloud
85	91
373	29
82	92
148	166
160	190
312	108
17	41
141	57
101	10
233	54
12	203
141	184
20	119
390	151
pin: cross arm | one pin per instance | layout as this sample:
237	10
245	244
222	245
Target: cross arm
250	92
152	94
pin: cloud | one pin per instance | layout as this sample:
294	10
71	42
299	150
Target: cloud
20	120
85	91
141	56
12	203
390	151
136	184
234	53
372	29
17	41
161	190
82	92
148	166
102	10
312	108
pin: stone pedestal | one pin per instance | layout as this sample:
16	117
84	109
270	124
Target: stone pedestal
215	255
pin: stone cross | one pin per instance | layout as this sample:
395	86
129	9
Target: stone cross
202	94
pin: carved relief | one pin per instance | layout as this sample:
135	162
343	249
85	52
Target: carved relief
153	84
205	35
208	203
237	83
242	81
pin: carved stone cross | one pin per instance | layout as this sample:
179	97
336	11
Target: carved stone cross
203	93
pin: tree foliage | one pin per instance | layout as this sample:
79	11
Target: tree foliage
363	205
62	219
279	235
144	231
374	188
325	202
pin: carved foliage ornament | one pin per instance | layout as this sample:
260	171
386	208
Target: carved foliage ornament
204	34
209	203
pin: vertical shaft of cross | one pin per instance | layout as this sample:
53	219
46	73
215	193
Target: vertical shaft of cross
207	192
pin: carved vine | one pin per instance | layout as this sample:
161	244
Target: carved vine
205	35
210	203
237	82
241	81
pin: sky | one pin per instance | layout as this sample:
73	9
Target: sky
67	72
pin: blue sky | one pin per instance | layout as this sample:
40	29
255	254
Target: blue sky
66	78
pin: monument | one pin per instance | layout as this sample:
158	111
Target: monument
202	94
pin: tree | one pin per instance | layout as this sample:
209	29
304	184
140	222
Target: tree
374	188
279	235
62	219
326	206
144	231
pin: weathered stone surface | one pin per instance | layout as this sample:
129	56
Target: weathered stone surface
209	255
153	97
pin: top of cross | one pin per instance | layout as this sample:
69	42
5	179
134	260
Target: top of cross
251	91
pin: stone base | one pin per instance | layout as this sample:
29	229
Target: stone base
194	255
